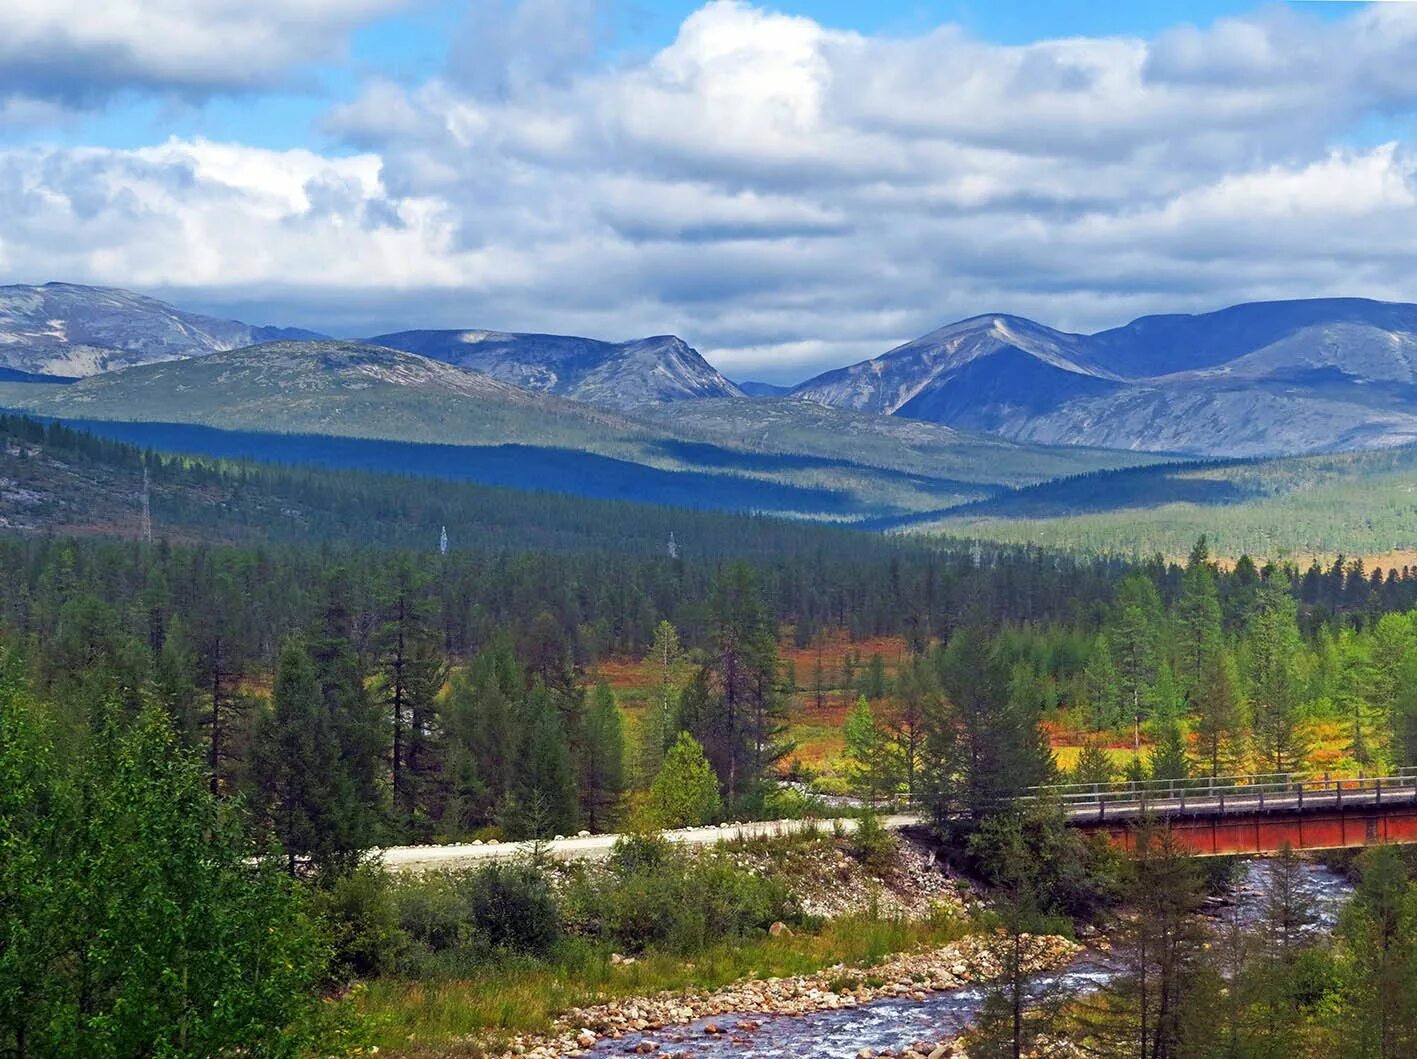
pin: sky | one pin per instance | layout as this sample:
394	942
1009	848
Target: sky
789	187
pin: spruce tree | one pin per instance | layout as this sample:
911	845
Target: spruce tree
1094	765
1198	627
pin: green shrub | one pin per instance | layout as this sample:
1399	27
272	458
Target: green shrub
872	844
658	897
640	852
363	922
512	908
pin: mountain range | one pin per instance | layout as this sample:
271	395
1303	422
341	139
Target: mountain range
350	404
1258	379
1264	378
73	331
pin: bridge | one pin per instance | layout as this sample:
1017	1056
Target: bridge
1247	814
1219	816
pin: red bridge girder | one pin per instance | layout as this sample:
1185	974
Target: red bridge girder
1214	834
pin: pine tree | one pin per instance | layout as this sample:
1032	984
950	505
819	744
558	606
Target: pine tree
603	764
1102	689
743	731
1157	946
299	768
1168	757
658	727
985	746
1198	630
918	697
413	672
1379	930
1135	638
353	716
1219	716
1094	765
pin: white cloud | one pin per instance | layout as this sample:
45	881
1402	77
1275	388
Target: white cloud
78	52
784	195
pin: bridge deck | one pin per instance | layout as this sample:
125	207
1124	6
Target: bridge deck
1227	794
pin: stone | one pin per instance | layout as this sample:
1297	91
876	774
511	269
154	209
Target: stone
780	929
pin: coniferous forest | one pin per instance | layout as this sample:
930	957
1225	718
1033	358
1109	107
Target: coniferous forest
203	741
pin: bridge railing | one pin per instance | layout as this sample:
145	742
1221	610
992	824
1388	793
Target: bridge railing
1240	793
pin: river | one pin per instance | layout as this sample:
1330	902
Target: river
897	1023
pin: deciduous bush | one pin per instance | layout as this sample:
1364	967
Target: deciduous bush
660	897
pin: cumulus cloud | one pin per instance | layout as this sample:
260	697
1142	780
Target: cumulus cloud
79	53
786	196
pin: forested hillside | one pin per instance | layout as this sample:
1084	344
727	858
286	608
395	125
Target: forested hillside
1294	509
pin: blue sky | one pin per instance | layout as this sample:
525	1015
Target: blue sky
790	186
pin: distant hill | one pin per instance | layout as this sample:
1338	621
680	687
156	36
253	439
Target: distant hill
763	389
780	424
278	400
611	374
67	329
1257	379
1298	507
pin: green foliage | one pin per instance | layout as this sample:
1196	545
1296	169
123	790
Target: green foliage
304	771
873	844
685	793
135	922
1094	765
603	759
675	901
871	763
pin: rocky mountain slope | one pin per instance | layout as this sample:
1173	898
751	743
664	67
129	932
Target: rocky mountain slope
1258	379
611	374
327	387
72	330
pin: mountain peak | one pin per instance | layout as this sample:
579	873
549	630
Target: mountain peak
619	375
1253	379
71	329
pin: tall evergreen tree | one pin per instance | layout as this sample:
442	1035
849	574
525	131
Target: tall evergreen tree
543	800
353	717
1272	648
1220	735
603	766
1198	626
413	671
744	730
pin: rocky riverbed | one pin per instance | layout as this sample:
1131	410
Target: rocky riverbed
685	1023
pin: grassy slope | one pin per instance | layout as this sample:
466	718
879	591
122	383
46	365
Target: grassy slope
910	445
1297	508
